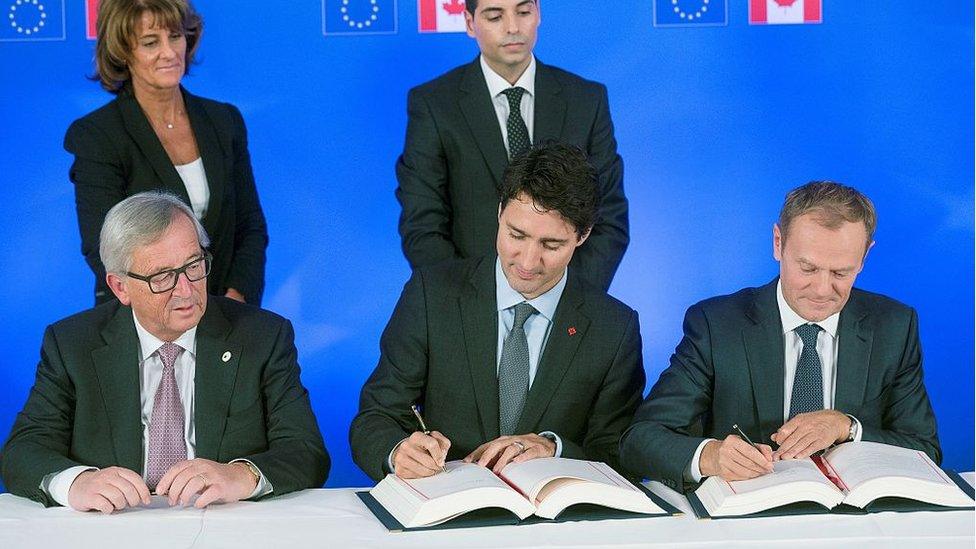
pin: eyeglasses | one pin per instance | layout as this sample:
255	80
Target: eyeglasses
165	281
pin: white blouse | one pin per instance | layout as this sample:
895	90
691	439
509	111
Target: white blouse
195	180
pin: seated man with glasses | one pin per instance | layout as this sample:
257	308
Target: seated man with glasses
167	389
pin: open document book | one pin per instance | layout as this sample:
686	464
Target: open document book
542	487
863	476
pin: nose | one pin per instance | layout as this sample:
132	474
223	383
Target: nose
530	256
166	48
183	288
511	22
821	284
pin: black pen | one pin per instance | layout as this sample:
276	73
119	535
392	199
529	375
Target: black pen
743	435
423	427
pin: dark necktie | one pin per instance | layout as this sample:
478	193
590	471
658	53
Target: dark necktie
167	442
513	372
808	381
518	134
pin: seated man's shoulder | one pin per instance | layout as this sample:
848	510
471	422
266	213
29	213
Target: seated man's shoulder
87	324
734	306
881	308
451	277
245	316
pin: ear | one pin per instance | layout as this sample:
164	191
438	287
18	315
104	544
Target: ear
469	23
865	258
583	238
777	243
118	287
499	204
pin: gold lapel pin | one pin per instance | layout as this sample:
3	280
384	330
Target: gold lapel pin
226	356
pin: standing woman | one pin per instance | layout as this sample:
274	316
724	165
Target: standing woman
157	136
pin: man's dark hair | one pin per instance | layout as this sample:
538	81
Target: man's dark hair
556	177
472	6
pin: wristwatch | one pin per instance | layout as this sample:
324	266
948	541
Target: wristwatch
853	432
253	470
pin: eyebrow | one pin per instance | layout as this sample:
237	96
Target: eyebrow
191	259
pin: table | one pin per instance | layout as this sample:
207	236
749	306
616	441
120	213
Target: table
336	518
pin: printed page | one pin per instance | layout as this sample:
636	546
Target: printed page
786	471
531	476
459	477
859	462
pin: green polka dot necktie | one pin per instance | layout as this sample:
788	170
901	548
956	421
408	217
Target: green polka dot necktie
808	381
518	134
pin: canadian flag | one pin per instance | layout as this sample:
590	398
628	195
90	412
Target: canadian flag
785	12
441	15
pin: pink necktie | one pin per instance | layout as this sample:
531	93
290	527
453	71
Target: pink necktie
167	445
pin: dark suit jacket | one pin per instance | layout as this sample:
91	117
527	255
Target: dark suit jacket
454	157
728	369
84	408
117	155
439	350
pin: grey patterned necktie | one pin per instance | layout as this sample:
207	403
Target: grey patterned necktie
513	372
167	443
808	381
518	134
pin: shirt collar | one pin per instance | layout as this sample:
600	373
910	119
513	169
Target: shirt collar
497	84
149	344
791	320
506	297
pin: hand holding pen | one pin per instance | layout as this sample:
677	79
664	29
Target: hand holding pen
736	457
423	453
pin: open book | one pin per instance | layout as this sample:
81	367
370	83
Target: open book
855	474
542	487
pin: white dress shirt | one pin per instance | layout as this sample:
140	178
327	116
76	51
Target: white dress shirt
497	85
827	347
57	485
195	180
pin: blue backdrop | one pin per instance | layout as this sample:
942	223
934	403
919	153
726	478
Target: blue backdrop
714	123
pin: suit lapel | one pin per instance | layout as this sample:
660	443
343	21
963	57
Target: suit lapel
550	107
479	323
855	338
208	143
763	340
117	369
568	329
214	379
138	127
476	107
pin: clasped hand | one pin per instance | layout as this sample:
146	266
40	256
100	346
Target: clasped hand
115	488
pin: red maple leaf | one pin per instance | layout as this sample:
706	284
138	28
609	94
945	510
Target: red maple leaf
785	3
454	7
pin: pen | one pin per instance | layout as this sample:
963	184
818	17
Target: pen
741	434
423	427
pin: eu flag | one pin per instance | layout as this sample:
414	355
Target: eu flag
359	17
24	20
676	13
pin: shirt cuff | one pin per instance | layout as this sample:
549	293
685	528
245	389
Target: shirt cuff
263	487
693	470
555	438
389	458
57	485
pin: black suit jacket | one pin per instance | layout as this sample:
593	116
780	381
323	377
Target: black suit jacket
84	408
729	369
117	154
454	157
439	350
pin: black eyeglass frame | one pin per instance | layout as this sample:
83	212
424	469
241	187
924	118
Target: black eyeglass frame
207	258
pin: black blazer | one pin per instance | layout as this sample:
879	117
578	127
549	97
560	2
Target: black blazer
117	155
439	350
454	157
728	369
84	408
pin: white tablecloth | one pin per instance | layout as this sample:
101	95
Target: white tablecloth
336	518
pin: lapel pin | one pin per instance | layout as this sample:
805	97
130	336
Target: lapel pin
571	331
226	356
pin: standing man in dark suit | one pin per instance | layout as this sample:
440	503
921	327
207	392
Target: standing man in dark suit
465	125
510	355
804	362
166	388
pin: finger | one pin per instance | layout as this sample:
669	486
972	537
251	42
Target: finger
806	446
507	454
420	457
210	495
113	495
196	485
787	443
786	430
756	456
101	503
444	443
767	453
473	456
533	452
433	448
743	462
132	497
733	471
490	454
138	483
166	482
178	484
411	468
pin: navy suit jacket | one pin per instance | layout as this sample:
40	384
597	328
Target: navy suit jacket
729	369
